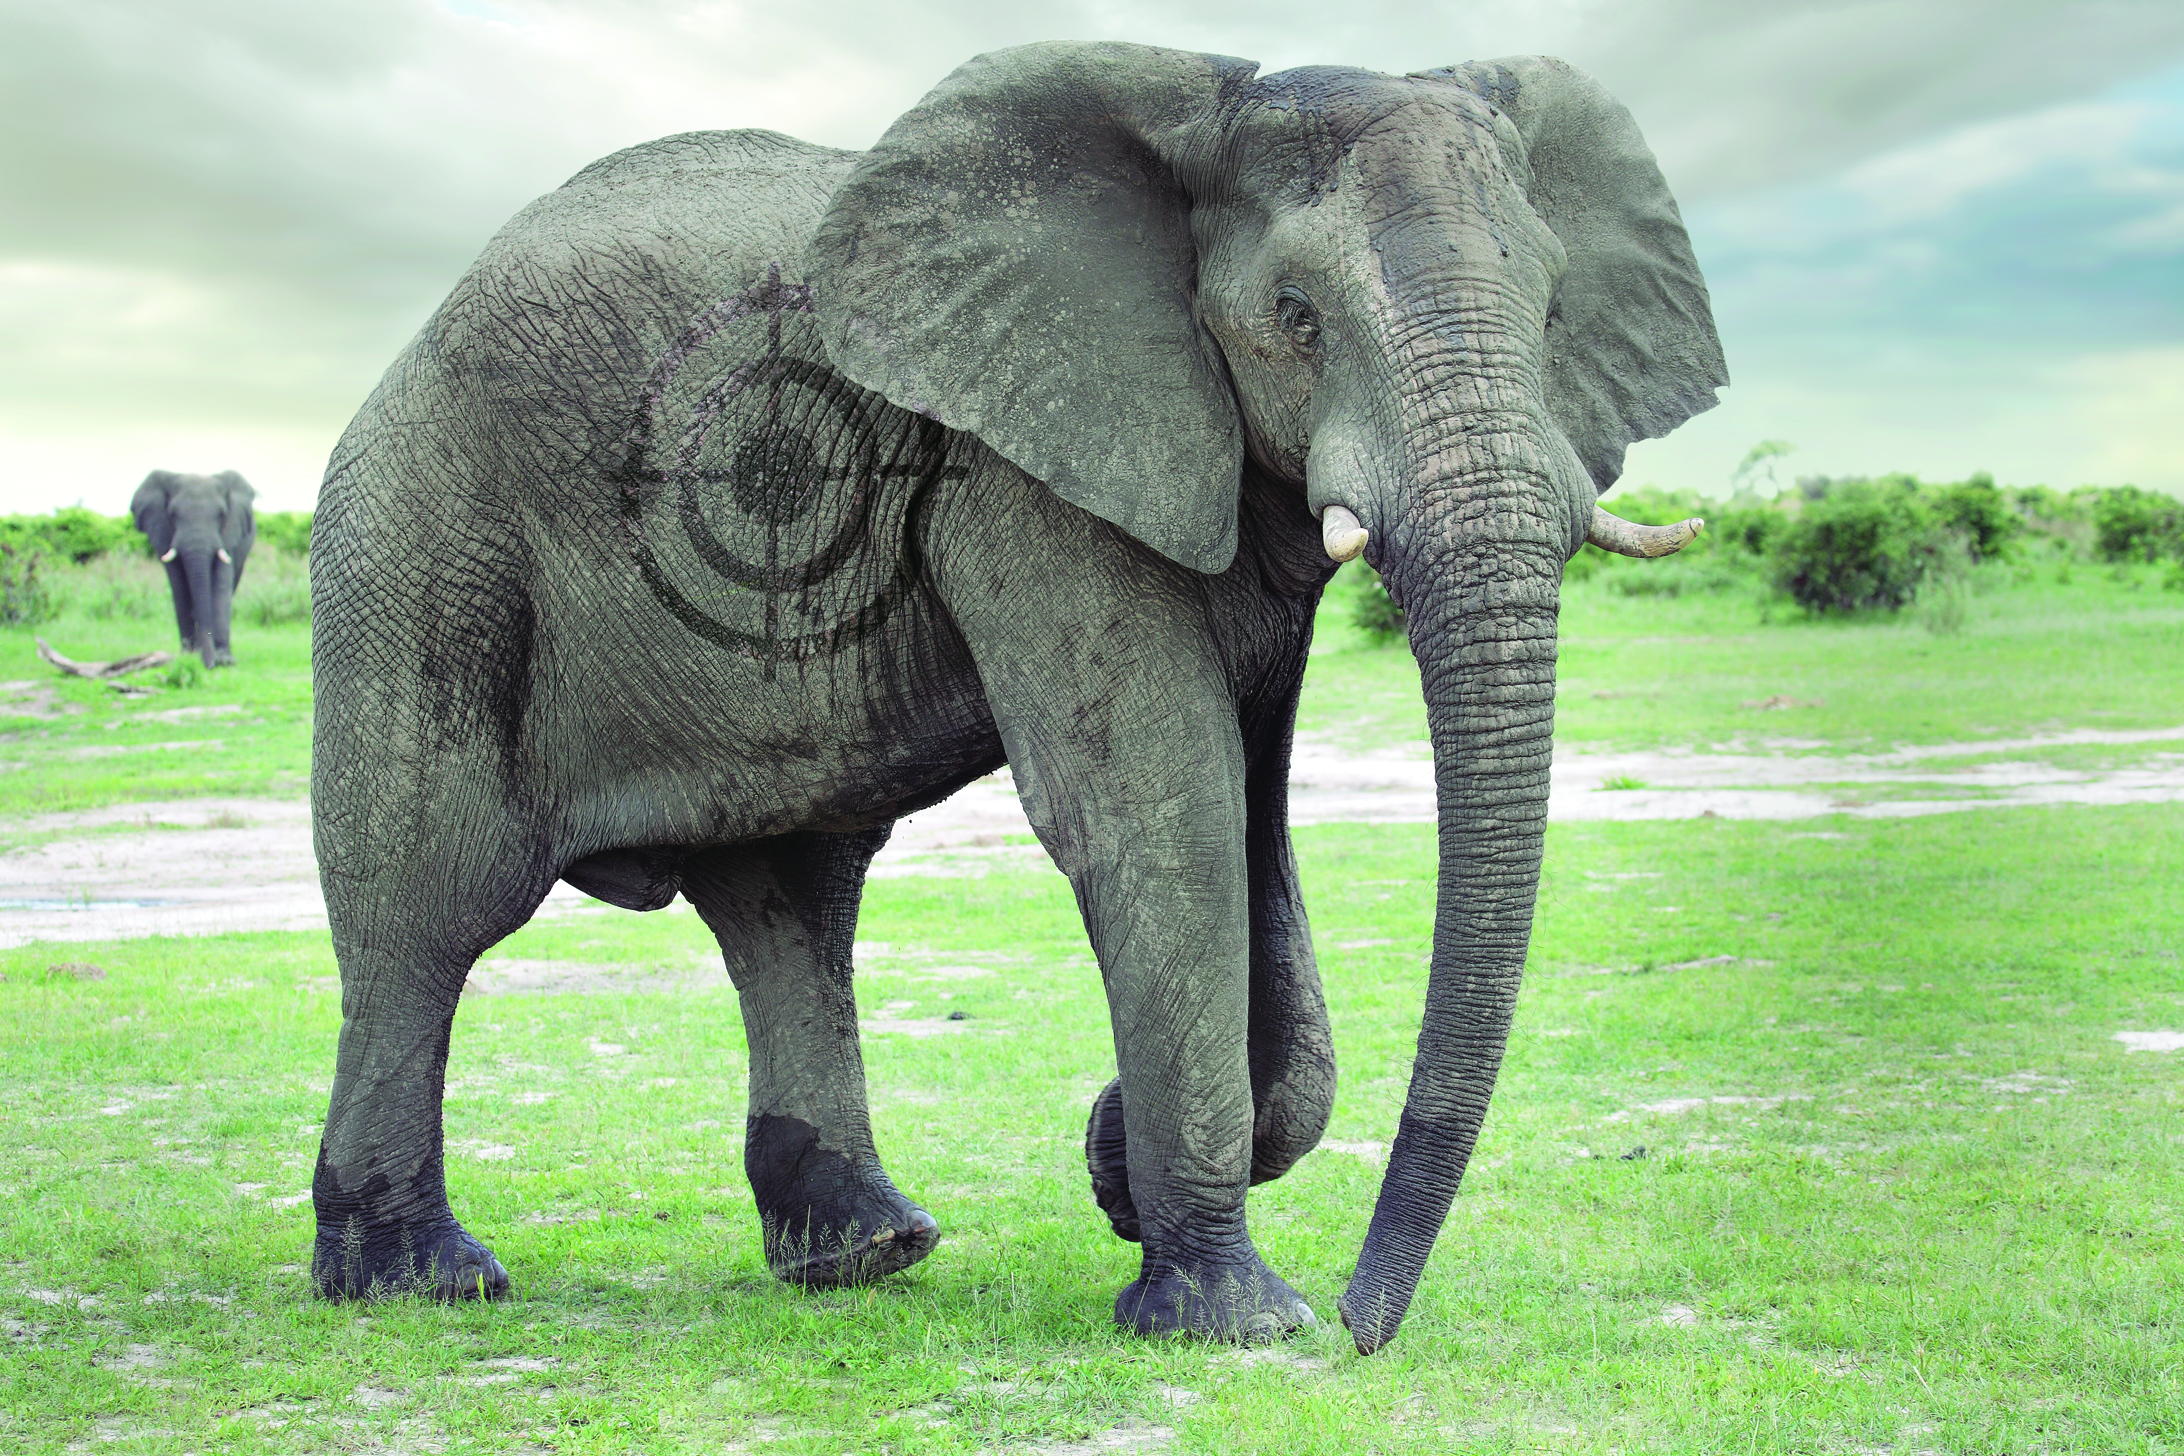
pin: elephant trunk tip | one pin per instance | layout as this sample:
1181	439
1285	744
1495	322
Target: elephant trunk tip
1368	1330
1628	538
1342	533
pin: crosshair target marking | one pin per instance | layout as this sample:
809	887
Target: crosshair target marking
778	490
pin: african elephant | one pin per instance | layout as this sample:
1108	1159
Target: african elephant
201	526
748	495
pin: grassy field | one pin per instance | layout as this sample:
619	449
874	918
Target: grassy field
67	743
2103	649
1900	1188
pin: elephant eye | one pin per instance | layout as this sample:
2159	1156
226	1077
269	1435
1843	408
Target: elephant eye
1297	317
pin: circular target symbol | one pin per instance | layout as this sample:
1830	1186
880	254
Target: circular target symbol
775	476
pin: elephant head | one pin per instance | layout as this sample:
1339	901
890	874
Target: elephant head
1436	307
202	528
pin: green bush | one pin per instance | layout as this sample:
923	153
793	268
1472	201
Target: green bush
1861	545
1751	529
289	530
72	534
2130	524
1367	603
1979	516
26	597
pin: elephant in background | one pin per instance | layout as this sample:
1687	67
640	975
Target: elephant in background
202	529
747	495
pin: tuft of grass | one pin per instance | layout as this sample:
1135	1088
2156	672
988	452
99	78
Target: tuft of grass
1616	782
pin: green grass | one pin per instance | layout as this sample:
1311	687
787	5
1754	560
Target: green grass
1947	1217
1938	1207
67	743
2105	650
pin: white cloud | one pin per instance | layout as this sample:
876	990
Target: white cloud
247	205
2100	417
1938	176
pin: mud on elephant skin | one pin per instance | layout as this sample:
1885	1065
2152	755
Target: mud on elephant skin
747	495
202	528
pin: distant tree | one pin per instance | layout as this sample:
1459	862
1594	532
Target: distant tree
1759	459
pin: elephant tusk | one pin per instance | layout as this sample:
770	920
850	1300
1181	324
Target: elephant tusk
222	554
1628	538
1341	533
170	553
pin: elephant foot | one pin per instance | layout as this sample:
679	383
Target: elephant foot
856	1250
221	657
1106	1154
1244	1303
831	1218
440	1261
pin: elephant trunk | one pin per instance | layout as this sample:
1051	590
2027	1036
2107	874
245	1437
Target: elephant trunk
200	572
1477	568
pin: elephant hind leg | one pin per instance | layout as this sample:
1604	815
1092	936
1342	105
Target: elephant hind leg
406	940
785	913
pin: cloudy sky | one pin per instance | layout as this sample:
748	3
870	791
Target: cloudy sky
1942	235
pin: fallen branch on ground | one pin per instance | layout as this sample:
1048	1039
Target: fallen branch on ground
100	671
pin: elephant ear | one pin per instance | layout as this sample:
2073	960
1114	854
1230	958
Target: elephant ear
1632	351
148	508
1014	259
238	523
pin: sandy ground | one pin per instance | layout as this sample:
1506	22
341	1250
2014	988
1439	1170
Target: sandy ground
204	866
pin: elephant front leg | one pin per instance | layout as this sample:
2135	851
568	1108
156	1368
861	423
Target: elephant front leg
1291	1048
1107	683
785	913
1153	838
1167	919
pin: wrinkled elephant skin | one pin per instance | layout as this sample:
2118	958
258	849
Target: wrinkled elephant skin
746	496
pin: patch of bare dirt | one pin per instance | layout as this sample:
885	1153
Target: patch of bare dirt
207	866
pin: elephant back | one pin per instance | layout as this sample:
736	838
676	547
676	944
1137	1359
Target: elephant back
629	382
